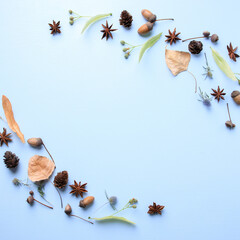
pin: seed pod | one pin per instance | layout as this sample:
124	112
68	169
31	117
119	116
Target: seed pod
68	209
206	34
30	200
145	28
236	97
229	124
35	142
86	201
214	38
149	16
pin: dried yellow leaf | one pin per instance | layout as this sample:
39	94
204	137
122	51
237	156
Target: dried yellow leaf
177	61
7	107
40	168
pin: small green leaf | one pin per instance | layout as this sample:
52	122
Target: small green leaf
223	65
113	218
95	19
149	43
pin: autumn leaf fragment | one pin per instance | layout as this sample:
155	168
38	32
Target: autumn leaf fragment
7	107
177	61
40	168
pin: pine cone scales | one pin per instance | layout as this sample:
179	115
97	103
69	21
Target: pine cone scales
126	19
195	47
61	179
10	159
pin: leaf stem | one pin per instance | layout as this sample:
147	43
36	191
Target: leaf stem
229	114
58	194
80	218
48	152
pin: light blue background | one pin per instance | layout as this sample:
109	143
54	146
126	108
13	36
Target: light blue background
132	129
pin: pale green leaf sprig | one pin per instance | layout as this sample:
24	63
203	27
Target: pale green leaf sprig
223	65
131	204
145	46
75	16
18	182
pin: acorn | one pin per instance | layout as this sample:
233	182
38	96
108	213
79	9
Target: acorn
86	201
145	28
214	37
236	97
35	142
68	209
149	16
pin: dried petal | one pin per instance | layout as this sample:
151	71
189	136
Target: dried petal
177	61
7	107
40	168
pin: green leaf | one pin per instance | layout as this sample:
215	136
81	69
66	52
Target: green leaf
95	19
223	65
113	218
149	43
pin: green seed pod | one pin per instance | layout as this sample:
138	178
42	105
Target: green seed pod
70	11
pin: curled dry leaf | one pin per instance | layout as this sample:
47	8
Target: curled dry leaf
177	61
7	107
40	168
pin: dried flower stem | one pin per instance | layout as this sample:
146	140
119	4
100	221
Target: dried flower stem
195	81
80	218
193	38
48	152
42	203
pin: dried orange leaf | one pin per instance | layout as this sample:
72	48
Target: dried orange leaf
40	168
7	107
177	61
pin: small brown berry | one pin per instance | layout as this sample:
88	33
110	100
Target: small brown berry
30	200
214	38
31	193
206	34
68	209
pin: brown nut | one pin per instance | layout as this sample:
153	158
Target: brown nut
236	97
68	209
214	38
145	28
86	201
149	16
35	142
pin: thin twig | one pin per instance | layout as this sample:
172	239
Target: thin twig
192	38
42	203
229	114
164	19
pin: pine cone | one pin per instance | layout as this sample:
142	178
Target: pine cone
126	19
195	47
10	159
61	179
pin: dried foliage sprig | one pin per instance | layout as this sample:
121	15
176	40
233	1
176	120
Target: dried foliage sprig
208	70
205	99
18	182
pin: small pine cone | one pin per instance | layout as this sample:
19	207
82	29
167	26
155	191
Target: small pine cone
61	179
195	47
10	159
126	19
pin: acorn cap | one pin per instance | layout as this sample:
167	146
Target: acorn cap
235	94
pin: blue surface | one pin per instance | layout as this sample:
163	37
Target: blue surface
132	129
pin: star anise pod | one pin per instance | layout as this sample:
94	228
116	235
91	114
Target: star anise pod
218	94
231	52
55	27
172	37
78	189
107	31
4	137
155	209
